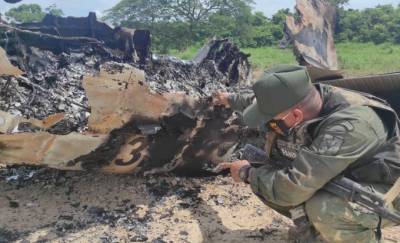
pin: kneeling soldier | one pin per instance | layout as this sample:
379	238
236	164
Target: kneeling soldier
317	132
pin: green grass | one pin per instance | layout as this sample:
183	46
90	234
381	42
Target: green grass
367	58
355	59
266	57
188	54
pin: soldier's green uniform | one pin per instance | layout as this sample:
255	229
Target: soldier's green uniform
343	139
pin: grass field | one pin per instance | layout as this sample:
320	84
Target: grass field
354	58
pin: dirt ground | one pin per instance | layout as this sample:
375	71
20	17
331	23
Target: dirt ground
51	206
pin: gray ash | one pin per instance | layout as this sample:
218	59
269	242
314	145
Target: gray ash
51	84
219	65
8	236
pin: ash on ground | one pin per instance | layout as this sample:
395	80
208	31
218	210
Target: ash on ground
53	206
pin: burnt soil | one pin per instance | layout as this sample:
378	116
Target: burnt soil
44	205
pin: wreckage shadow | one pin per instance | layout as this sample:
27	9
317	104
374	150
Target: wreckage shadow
213	229
57	204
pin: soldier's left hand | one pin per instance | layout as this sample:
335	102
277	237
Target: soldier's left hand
221	98
235	168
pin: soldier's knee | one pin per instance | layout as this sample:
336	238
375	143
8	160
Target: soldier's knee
323	207
325	212
337	221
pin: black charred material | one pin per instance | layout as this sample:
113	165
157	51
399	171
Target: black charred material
228	60
54	68
218	65
56	43
52	85
106	152
59	34
72	27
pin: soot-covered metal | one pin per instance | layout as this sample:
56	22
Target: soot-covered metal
78	94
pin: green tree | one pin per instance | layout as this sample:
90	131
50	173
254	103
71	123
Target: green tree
279	20
53	10
141	13
378	25
379	34
27	13
188	19
194	12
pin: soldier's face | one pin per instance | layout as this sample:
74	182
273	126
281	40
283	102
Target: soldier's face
283	122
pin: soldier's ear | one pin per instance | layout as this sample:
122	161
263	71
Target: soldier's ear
298	115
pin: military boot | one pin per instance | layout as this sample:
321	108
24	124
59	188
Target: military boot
303	232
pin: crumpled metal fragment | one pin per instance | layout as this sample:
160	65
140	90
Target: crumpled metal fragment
10	123
6	68
312	34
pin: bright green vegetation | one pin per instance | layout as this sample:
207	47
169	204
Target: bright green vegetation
265	57
367	58
354	58
27	13
187	54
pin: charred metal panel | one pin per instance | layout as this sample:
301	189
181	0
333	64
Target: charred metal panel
10	123
312	34
82	104
6	68
46	149
129	41
118	96
227	58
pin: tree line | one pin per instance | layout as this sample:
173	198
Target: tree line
378	25
178	24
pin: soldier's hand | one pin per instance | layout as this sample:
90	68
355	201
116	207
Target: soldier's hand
221	98
235	168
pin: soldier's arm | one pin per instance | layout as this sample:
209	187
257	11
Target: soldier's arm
239	102
338	144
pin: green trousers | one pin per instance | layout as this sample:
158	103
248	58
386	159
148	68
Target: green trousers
340	221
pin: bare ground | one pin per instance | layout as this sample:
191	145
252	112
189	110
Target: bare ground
53	206
88	207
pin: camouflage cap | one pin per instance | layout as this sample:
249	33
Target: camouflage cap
279	89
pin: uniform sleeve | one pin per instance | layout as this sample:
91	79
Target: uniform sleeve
239	102
336	146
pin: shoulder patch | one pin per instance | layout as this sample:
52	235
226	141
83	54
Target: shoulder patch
329	144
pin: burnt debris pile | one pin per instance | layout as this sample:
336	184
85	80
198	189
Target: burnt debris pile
218	65
78	94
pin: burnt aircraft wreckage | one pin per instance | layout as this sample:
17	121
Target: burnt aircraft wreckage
76	94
